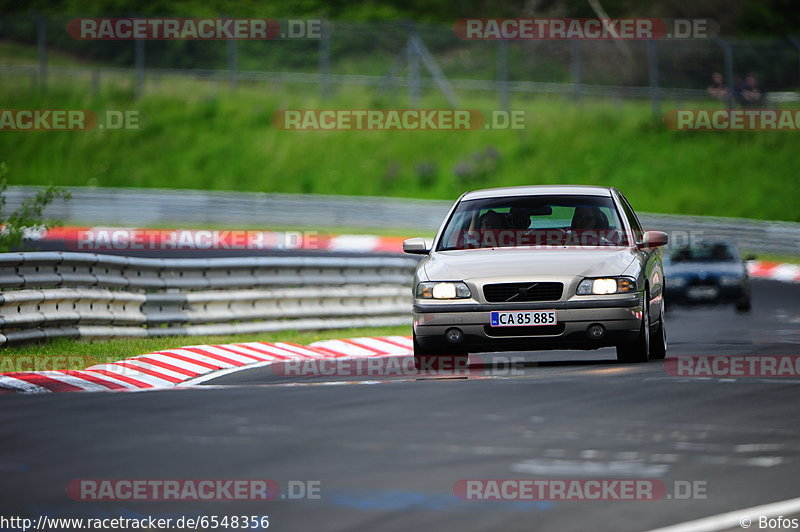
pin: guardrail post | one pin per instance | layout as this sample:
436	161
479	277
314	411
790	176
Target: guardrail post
233	60
324	59
412	55
96	82
138	52
652	63
41	43
575	69
502	74
796	43
727	56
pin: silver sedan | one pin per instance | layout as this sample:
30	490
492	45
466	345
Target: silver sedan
540	267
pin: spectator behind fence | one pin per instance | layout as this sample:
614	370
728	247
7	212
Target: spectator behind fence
718	89
750	93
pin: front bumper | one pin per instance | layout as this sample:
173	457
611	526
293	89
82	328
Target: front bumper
620	315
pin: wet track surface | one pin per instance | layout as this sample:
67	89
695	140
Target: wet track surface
389	450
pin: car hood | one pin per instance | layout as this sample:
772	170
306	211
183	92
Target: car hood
709	268
481	263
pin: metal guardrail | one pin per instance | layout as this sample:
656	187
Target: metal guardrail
142	207
47	295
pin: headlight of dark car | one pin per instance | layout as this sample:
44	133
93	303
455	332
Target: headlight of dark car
606	285
676	282
730	280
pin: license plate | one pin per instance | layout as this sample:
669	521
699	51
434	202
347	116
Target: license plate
524	318
702	292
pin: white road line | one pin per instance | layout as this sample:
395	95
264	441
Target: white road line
616	468
735	518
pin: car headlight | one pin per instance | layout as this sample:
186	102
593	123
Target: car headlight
606	285
443	290
730	280
676	282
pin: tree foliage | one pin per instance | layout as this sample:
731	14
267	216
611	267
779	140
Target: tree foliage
29	217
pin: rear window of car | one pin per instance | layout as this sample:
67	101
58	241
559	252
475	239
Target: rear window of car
524	221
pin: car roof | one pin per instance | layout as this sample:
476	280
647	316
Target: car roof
536	190
709	243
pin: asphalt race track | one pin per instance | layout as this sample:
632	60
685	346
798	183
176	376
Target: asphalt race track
388	451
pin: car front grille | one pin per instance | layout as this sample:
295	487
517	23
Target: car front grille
520	292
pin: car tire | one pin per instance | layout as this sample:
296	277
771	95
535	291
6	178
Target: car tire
658	341
438	359
638	351
744	305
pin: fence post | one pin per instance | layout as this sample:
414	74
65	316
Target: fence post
41	42
652	63
412	55
233	60
727	57
502	74
96	82
796	43
575	69
324	59
138	52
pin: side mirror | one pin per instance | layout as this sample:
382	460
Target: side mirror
654	239
751	257
416	246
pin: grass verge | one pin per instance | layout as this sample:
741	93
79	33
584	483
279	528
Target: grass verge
200	136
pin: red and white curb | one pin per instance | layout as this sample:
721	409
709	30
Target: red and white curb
172	367
775	271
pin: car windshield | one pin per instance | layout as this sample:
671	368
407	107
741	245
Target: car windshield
704	253
525	221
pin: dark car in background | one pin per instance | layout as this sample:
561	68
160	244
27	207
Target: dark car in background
707	273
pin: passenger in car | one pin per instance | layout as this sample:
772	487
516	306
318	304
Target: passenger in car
587	217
